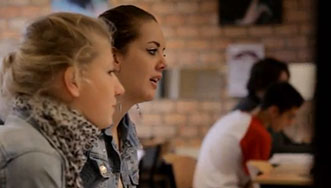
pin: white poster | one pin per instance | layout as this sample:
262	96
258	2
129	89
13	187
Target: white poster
240	58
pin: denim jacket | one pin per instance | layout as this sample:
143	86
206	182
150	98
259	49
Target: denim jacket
105	164
26	157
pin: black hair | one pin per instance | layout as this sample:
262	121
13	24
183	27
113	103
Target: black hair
283	95
264	73
126	19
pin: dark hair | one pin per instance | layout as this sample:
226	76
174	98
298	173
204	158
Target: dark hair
264	73
126	19
283	95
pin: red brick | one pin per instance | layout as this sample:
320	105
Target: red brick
290	4
17	24
163	8
144	131
306	4
187	142
164	131
144	5
199	119
297	42
10	12
286	30
40	2
18	2
180	142
247	40
220	43
305	55
208	6
204	130
260	31
228	105
146	107
273	43
171	58
3	3
217	116
188	7
293	16
210	57
186	106
7	46
175	119
285	55
174	20
195	143
3	25
152	119
31	11
187	32
10	35
157	106
169	32
235	31
188	131
211	106
202	19
175	44
187	58
210	31
197	44
307	29
163	106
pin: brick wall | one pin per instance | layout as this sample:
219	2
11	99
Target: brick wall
194	39
14	15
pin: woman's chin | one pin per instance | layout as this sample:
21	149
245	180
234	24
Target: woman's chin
149	96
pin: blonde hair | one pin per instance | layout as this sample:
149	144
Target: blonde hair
50	44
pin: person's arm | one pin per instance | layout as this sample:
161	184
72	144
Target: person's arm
35	170
226	157
282	144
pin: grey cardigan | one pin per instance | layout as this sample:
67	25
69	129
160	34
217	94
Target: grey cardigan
26	158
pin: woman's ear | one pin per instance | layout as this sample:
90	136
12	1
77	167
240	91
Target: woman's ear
117	58
71	81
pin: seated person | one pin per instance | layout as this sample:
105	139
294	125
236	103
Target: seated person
240	136
264	73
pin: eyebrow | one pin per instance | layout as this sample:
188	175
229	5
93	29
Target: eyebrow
156	43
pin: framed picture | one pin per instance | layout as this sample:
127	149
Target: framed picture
250	12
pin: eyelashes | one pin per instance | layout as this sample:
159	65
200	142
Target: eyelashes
153	51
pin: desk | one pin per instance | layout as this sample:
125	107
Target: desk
284	175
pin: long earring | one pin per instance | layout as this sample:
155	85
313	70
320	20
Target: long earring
119	106
139	111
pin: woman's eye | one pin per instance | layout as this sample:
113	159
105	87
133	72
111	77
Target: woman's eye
152	51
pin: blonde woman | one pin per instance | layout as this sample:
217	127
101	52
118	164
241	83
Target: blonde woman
58	90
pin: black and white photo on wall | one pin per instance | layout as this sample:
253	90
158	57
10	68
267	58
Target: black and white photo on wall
250	12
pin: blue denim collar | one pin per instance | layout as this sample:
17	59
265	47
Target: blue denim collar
127	131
